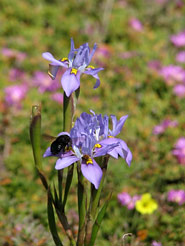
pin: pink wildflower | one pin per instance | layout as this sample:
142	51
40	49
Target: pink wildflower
136	24
178	39
164	125
179	150
177	196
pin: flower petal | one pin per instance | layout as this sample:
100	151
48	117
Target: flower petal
126	151
63	133
120	149
94	73
92	52
47	152
92	172
48	56
117	126
70	82
65	162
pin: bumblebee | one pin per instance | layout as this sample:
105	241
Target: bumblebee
60	144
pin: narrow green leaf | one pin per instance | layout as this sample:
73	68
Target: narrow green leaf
51	220
68	184
43	179
56	200
35	135
98	221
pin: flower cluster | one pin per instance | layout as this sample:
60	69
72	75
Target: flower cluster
177	196
164	125
179	39
15	94
77	63
179	150
91	138
126	200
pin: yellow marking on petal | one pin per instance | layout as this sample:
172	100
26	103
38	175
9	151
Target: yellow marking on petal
51	75
74	71
90	67
88	159
64	59
97	146
110	136
68	148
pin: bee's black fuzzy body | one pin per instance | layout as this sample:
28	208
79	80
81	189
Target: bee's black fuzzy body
60	144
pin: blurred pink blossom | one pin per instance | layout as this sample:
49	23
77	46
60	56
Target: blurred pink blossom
164	125
180	57
155	243
57	97
126	200
44	82
178	39
177	196
10	53
161	1
172	74
179	150
128	54
103	54
154	65
15	94
16	74
179	90
136	24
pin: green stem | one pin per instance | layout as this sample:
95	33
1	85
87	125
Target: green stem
95	198
81	208
60	178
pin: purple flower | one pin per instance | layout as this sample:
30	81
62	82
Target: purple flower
86	137
172	74
99	126
179	150
178	39
85	155
164	125
126	200
180	57
136	24
179	90
77	63
57	97
177	196
44	83
155	243
15	94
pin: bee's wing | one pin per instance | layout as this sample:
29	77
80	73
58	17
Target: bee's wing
48	137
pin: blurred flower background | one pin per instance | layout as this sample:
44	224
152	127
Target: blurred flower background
141	45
